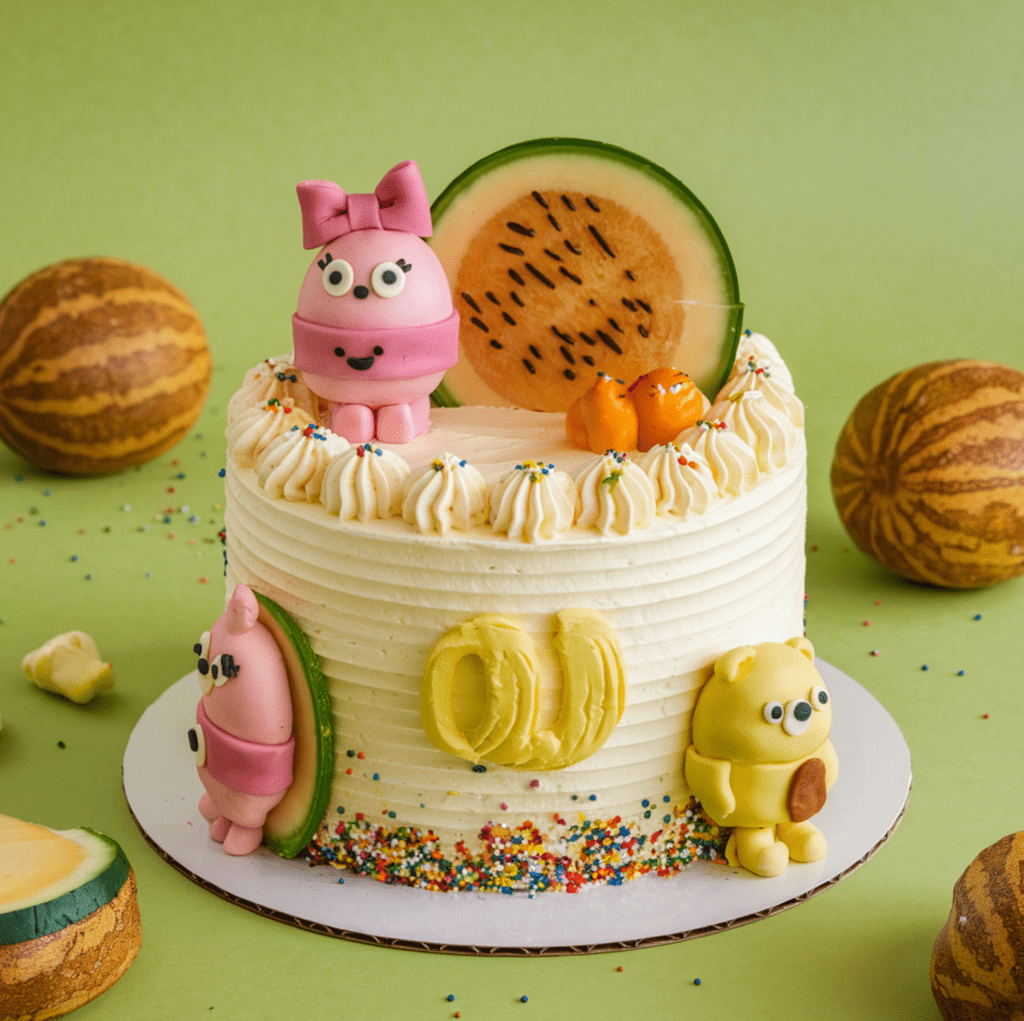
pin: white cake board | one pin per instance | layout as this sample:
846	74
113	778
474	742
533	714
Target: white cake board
863	809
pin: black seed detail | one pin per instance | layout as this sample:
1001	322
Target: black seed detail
557	258
562	336
568	204
568	373
592	302
588	359
589	340
572	276
553	222
536	354
629	304
567	355
518	228
644	306
529	366
600	240
643	330
515	297
479	324
517	278
540	276
572	248
615	325
491	297
540	198
510	248
608	342
496	345
592	204
629	273
470	302
508	319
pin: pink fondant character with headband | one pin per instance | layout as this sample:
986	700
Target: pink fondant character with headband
243	739
375	327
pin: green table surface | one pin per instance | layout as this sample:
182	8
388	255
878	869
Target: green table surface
863	161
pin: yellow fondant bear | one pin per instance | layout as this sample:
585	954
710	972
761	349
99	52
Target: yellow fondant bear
761	760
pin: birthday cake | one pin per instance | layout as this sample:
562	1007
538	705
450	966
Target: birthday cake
510	632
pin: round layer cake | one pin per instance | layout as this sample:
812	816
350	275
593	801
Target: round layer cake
375	597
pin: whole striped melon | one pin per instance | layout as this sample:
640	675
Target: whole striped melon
103	365
928	474
977	968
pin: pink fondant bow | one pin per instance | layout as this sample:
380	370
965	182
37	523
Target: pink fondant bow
399	202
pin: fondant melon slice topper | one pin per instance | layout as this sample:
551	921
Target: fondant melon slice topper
569	257
69	918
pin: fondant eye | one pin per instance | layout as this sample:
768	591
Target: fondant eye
202	647
798	717
819	697
387	279
205	680
197	742
337	277
773	712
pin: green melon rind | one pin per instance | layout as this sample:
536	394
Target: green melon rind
293	822
444	396
98	889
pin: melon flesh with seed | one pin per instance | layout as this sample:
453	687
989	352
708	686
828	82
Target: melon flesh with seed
69	918
568	258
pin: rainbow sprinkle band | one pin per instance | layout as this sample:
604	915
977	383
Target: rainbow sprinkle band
521	857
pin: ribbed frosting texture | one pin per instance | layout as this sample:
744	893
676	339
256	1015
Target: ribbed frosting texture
445	494
293	465
752	376
757	348
364	482
681	479
533	501
763	427
732	462
614	495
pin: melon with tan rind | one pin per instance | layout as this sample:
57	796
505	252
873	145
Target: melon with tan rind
69	918
568	257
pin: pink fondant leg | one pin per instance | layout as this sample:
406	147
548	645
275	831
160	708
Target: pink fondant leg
353	421
401	423
208	808
220	827
242	839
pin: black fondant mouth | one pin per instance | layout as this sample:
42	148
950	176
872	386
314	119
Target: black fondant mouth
361	364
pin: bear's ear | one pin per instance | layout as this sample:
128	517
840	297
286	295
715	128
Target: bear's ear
736	663
802	645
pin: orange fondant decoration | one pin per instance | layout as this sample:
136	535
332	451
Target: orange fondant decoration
604	418
667	402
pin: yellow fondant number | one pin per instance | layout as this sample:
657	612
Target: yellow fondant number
593	691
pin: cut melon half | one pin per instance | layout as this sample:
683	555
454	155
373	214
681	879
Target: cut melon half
69	918
292	823
569	257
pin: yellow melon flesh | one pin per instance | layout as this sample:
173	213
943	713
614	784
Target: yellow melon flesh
36	863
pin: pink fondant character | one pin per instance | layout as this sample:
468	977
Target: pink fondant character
243	736
375	327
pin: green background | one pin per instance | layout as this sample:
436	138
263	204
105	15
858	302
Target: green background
862	159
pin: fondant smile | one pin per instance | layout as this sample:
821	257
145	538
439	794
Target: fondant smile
361	364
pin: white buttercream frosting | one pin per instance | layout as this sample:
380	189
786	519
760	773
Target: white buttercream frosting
257	427
275	377
614	495
533	501
760	425
364	482
682	480
733	463
293	465
753	376
447	493
757	348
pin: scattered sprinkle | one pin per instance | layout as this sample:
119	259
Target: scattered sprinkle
88	577
984	716
204	580
619	968
867	623
593	797
61	744
959	673
127	507
924	666
351	753
696	981
534	784
74	558
977	616
523	999
451	997
360	755
376	776
504	807
341	880
874	652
